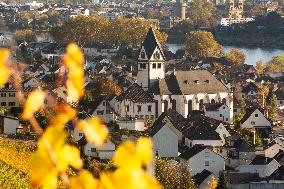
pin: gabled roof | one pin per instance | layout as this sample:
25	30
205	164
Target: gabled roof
135	93
177	120
261	160
192	151
151	42
203	128
249	111
250	87
189	82
200	177
212	107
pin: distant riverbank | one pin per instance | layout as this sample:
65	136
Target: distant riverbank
252	54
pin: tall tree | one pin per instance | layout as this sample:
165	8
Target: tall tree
25	35
201	44
260	67
223	182
201	12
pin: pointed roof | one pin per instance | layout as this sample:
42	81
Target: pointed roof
151	42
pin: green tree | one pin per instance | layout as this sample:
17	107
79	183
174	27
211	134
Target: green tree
201	12
201	44
172	175
223	181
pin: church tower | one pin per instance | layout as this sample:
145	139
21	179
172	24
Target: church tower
150	61
236	9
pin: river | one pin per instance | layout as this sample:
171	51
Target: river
252	54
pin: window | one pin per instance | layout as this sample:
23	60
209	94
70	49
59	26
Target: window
12	104
100	112
235	110
224	107
143	55
252	122
12	94
139	108
281	102
206	154
159	65
3	103
127	108
251	92
154	65
157	55
142	66
206	163
104	103
226	119
3	94
80	134
221	115
255	115
93	149
149	108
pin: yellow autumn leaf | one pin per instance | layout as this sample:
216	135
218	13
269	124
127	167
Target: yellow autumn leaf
74	60
4	70
136	155
84	180
64	113
52	157
94	130
33	103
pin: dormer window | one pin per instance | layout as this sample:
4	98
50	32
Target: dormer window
143	56
157	55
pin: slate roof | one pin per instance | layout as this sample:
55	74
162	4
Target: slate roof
239	178
250	87
279	94
200	177
261	160
212	107
192	151
178	121
243	146
278	174
135	93
203	128
151	42
189	82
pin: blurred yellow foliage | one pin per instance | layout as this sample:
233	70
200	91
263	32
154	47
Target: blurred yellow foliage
4	70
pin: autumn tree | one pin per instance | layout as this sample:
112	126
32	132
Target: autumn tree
25	35
236	57
201	12
201	44
276	64
262	94
260	67
271	106
173	175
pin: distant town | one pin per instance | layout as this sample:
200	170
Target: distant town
215	121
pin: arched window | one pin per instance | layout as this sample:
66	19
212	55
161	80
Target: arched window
174	104
224	101
143	56
166	105
157	55
213	101
200	104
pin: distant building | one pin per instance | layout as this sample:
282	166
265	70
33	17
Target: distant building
180	9
230	21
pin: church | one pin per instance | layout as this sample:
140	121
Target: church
184	91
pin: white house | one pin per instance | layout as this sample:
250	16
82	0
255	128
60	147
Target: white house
135	103
218	111
262	165
9	125
182	91
279	98
103	109
106	151
201	157
166	133
254	119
